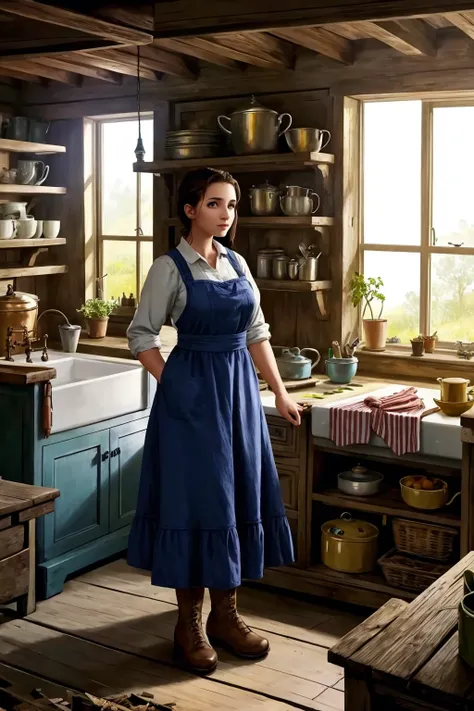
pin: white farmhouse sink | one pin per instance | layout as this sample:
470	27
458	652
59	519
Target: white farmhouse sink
90	389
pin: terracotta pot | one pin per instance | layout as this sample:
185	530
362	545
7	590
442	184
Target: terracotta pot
430	344
375	334
97	327
417	348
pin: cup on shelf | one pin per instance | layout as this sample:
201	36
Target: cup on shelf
17	128
25	228
39	229
7	229
37	130
51	228
32	172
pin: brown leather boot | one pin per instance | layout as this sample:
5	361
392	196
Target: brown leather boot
225	627
191	646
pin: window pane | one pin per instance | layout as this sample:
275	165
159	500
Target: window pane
392	172
400	273
120	265
146	191
452	297
453	158
146	260
119	182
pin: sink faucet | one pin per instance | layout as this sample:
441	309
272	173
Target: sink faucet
28	341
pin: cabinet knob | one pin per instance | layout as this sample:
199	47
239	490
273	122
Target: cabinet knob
105	456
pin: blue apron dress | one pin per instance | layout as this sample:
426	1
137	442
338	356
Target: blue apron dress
209	509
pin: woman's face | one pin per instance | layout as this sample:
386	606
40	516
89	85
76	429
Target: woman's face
215	213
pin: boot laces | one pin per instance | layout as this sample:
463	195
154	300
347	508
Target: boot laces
196	629
236	618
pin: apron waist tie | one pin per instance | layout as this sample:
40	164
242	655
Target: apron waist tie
221	343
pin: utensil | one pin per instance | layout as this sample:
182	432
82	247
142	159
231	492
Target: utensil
359	481
453	409
308	268
17	310
426	499
254	128
336	349
298	206
341	370
307	139
453	389
264	199
303	250
349	545
293	364
280	266
7	229
51	228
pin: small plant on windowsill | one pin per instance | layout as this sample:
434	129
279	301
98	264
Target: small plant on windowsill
97	312
366	293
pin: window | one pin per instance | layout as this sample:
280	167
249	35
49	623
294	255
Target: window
418	215
124	206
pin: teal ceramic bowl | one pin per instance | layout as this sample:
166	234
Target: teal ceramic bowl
466	629
341	370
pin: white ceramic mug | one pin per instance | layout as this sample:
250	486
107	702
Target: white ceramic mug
51	228
7	229
39	229
25	229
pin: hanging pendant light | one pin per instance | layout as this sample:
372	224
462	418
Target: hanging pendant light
140	149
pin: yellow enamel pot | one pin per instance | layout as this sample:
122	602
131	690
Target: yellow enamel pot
349	545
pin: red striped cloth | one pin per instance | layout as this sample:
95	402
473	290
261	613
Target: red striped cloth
395	418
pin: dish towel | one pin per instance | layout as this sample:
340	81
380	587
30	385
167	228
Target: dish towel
395	418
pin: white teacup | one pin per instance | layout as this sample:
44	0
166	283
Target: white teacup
25	229
39	229
51	228
7	229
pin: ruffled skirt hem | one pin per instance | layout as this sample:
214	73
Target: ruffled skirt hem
216	559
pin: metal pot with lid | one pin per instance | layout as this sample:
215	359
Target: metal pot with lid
264	199
17	310
359	481
265	258
349	545
254	128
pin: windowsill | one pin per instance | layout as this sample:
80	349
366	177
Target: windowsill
398	361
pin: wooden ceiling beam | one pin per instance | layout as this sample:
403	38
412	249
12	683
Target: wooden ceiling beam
71	65
161	61
114	61
184	18
463	21
411	37
319	40
191	49
28	67
260	50
20	76
33	10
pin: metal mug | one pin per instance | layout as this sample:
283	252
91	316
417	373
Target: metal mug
280	267
293	206
308	269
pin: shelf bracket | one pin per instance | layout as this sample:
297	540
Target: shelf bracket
326	174
321	302
31	255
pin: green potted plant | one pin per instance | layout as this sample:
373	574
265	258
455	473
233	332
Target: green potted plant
365	292
97	312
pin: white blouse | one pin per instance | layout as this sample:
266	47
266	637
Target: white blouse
164	295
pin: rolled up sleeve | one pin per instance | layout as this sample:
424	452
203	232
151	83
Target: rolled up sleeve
258	329
156	301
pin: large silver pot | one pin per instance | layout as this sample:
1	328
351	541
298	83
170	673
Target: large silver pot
254	128
294	206
264	199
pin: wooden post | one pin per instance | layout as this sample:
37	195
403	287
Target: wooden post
467	485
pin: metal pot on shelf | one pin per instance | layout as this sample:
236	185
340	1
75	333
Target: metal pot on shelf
265	258
349	545
359	481
254	128
299	205
264	199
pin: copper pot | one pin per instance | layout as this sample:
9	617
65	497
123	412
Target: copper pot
17	310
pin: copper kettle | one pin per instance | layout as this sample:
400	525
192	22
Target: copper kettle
17	310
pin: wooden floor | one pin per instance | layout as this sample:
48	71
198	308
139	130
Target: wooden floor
111	631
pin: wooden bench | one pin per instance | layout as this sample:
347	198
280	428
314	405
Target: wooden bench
20	506
405	656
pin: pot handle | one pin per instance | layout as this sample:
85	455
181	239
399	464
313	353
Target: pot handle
448	503
312	350
439	380
315	209
323	145
280	119
219	121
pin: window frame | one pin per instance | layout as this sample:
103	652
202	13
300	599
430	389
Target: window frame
427	248
100	238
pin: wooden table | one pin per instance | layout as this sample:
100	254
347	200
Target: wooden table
20	506
405	656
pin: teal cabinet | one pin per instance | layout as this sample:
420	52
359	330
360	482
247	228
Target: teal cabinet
79	468
126	449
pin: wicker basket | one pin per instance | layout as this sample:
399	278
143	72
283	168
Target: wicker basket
407	573
425	539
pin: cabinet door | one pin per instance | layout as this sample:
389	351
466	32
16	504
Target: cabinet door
79	468
126	450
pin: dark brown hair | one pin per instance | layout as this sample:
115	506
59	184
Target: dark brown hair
193	188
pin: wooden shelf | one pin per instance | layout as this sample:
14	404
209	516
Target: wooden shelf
240	164
15	189
18	271
284	222
289	285
6	144
20	243
370	581
389	503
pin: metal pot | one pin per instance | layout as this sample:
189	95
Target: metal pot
293	364
349	545
192	150
297	206
264	199
308	268
297	191
17	310
307	139
254	128
280	267
359	481
265	260
193	136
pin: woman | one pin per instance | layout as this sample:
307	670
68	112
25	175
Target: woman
209	507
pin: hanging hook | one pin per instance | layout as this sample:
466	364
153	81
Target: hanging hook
140	148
